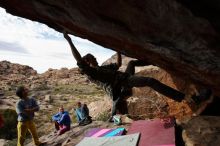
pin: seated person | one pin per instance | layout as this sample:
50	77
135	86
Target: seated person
82	114
62	121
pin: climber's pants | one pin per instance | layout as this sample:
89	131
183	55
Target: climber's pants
22	128
63	129
140	81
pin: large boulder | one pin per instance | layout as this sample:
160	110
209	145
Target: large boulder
148	103
202	130
145	102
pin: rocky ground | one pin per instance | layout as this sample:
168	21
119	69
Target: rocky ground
67	86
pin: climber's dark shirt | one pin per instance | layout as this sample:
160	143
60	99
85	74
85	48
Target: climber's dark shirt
107	76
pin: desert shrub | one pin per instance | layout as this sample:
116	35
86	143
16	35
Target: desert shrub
77	89
41	87
103	116
9	130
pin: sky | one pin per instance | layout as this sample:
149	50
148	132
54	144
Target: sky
34	44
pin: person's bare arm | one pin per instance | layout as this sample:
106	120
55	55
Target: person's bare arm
119	60
75	52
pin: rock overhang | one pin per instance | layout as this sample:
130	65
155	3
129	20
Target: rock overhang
176	35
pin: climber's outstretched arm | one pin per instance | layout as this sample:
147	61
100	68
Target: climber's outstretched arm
132	64
75	52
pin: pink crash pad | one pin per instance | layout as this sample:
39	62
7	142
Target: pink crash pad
154	132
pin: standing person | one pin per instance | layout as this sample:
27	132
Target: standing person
115	82
62	121
25	108
82	114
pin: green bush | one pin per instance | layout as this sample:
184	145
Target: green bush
9	130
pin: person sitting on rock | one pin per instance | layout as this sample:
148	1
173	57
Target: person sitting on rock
115	82
62	121
82	114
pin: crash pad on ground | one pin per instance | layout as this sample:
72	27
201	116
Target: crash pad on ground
155	132
125	140
101	132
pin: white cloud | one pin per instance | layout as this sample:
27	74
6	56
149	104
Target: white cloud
34	44
16	28
13	47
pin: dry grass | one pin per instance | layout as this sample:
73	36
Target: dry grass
68	96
